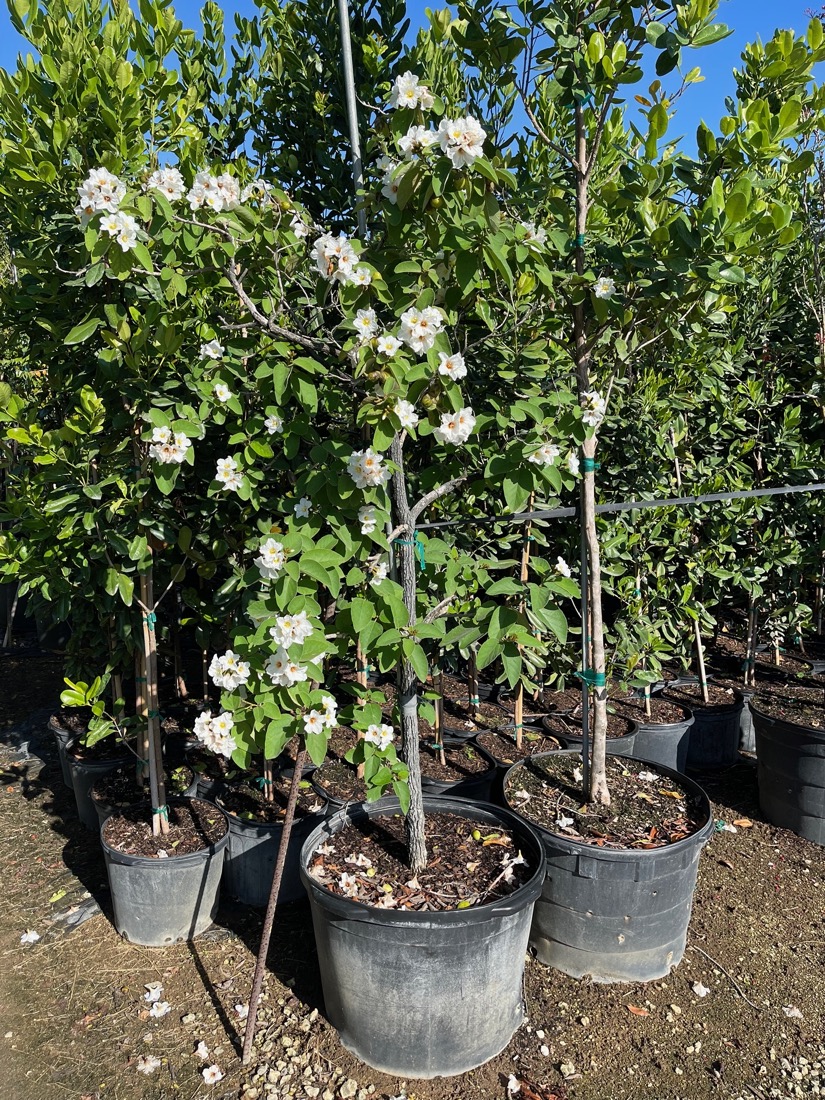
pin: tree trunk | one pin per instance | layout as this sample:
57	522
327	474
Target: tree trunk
157	783
407	679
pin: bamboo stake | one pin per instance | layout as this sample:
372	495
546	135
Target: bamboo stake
518	710
157	783
269	781
272	905
750	648
361	673
472	684
438	686
700	657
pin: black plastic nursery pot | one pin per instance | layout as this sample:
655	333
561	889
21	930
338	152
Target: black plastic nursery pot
158	902
62	737
477	787
715	733
617	746
665	743
252	853
617	915
105	808
84	773
424	994
790	773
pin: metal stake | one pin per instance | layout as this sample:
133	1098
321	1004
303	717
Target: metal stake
352	114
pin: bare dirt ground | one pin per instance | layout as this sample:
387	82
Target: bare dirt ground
74	1022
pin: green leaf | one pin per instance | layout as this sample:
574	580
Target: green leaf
83	331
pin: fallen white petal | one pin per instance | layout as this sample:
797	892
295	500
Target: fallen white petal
793	1012
700	990
148	1063
242	1011
202	1051
513	1085
30	936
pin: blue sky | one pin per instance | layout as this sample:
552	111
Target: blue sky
749	19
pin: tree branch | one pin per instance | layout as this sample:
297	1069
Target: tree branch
439	610
436	494
270	326
543	135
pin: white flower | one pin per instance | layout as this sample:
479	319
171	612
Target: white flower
299	227
291	629
202	1051
274	424
212	1074
604	287
100	191
271	559
405	411
361	276
242	1011
534	237
546	455
202	724
148	1063
216	733
348	885
228	671
700	990
367	470
408	92
223	392
390	185
387	345
648	777
216	192
302	508
365	324
314	722
168	181
380	735
456	428
452	366
573	464
564	822
228	474
416	140
461	140
562	568
160	1008
30	936
419	328
593	407
366	517
282	671
513	1085
213	350
335	258
172	450
378	572
330	710
123	227
154	992
258	190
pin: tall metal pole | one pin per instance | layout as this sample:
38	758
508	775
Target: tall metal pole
352	113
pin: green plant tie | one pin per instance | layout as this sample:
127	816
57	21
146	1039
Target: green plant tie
518	727
593	678
437	747
153	714
589	465
366	668
140	679
637	591
578	240
747	662
474	700
419	548
142	765
585	100
262	782
720	827
150	620
161	811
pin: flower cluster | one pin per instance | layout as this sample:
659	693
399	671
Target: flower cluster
416	140
291	629
271	559
228	474
228	671
218	193
336	260
405	411
534	237
461	140
123	227
319	720
419	328
546	455
168	182
593	407
456	427
367	519
100	191
367	470
391	181
380	735
282	671
216	733
365	324
408	92
168	446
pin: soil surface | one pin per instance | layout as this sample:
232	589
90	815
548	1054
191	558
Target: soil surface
646	809
108	748
193	826
462	761
120	788
662	711
470	863
339	780
690	695
76	1024
803	706
248	802
503	748
560	725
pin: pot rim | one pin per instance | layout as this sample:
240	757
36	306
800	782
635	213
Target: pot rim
132	858
797	725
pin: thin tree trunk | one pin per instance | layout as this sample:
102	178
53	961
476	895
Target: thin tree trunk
407	680
269	918
361	679
157	783
750	649
518	709
140	713
438	688
700	659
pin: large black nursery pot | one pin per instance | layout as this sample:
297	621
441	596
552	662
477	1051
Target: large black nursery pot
62	737
85	772
664	743
790	772
715	733
476	786
617	915
424	994
158	902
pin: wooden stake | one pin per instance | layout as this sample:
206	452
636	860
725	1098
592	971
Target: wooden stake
438	686
157	783
140	712
700	657
518	709
750	648
272	905
361	678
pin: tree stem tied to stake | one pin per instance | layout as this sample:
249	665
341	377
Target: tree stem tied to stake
272	905
352	114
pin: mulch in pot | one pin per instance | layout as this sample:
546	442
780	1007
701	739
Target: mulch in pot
470	863
219	769
690	695
193	826
340	781
647	810
662	711
76	721
462	761
107	748
561	725
503	747
121	788
804	706
247	800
